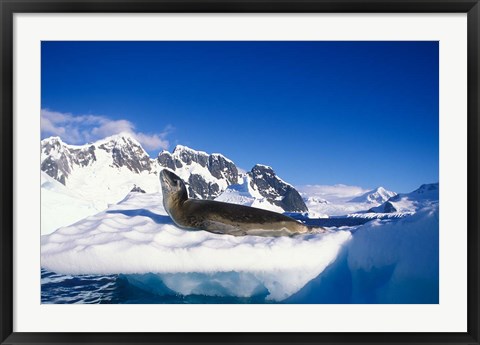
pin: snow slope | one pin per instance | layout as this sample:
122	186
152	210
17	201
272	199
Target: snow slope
61	206
106	184
243	194
138	239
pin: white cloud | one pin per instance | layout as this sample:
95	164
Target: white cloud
152	142
48	126
81	129
338	191
107	128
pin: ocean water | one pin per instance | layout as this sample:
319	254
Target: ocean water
116	289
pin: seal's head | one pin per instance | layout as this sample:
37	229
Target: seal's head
174	190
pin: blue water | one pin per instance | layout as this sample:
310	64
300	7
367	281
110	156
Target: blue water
115	289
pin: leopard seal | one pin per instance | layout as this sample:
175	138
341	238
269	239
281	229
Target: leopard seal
221	217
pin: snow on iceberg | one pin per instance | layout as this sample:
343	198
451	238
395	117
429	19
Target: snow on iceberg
386	261
137	238
397	262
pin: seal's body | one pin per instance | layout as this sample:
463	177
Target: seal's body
221	217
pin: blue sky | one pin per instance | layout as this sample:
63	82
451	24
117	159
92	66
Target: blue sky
355	113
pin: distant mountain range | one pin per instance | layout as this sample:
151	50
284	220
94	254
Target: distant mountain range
424	196
376	196
342	200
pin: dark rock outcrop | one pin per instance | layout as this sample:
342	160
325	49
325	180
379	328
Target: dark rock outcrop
137	189
127	152
275	190
58	159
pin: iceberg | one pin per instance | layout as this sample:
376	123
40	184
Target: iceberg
393	260
386	261
137	239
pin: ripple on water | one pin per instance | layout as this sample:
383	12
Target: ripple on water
116	289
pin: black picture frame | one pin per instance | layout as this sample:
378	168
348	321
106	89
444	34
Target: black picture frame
9	7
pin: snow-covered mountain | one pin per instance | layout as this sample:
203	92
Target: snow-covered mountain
244	194
275	190
340	200
262	188
105	171
376	196
424	196
212	176
102	172
207	176
60	160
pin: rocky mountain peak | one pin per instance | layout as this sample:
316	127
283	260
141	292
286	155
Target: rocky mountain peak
127	152
60	159
188	156
119	142
52	146
264	179
260	170
208	174
52	140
